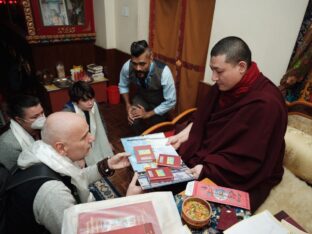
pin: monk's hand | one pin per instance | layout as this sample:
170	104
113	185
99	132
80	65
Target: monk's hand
119	161
134	189
195	171
174	141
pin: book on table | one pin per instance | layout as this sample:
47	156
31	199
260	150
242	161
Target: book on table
263	222
146	228
133	218
156	145
218	194
153	213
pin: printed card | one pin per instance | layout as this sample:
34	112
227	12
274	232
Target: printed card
144	153
159	174
220	194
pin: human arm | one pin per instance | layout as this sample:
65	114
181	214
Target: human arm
10	149
118	161
169	93
244	148
123	85
140	112
195	171
169	102
129	107
50	214
181	137
134	189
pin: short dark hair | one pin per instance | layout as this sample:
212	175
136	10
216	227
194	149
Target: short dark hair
17	104
80	90
138	47
234	48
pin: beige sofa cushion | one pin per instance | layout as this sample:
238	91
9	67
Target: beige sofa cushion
293	196
298	155
300	122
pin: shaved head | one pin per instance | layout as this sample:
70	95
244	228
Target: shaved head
60	126
68	133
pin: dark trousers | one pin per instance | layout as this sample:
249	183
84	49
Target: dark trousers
140	125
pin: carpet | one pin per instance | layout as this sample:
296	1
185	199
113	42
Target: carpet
103	190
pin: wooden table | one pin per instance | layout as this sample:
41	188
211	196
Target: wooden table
58	97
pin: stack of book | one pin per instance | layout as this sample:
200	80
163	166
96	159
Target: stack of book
95	71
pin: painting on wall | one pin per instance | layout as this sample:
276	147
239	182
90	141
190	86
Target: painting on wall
59	20
53	13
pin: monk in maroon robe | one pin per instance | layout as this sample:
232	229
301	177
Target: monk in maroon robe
236	138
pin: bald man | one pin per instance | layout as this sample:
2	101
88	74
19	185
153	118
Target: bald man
38	206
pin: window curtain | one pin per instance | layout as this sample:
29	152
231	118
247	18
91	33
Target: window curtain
296	84
179	36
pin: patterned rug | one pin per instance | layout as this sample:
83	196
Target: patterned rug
104	190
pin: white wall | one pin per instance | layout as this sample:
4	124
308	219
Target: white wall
270	28
120	22
105	25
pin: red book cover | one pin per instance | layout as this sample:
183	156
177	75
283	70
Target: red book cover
125	219
166	160
146	228
144	153
160	174
283	215
222	195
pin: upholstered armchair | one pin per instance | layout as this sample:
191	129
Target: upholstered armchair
294	194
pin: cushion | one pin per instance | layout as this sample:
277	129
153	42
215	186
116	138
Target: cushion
294	197
298	155
300	122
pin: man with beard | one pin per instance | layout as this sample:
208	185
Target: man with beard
156	94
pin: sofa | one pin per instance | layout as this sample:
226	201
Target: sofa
294	194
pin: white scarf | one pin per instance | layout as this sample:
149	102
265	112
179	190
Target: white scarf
23	137
42	152
100	147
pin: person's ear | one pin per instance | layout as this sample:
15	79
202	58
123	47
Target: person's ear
151	56
60	148
243	67
18	120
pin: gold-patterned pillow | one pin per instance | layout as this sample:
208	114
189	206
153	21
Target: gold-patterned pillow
298	155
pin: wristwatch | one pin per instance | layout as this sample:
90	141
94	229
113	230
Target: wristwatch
104	169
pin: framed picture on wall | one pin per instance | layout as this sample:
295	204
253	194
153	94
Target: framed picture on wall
53	13
59	20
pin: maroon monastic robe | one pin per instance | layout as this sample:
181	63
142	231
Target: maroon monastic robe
242	145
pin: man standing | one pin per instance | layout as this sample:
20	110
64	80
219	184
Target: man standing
26	118
156	94
38	206
237	134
